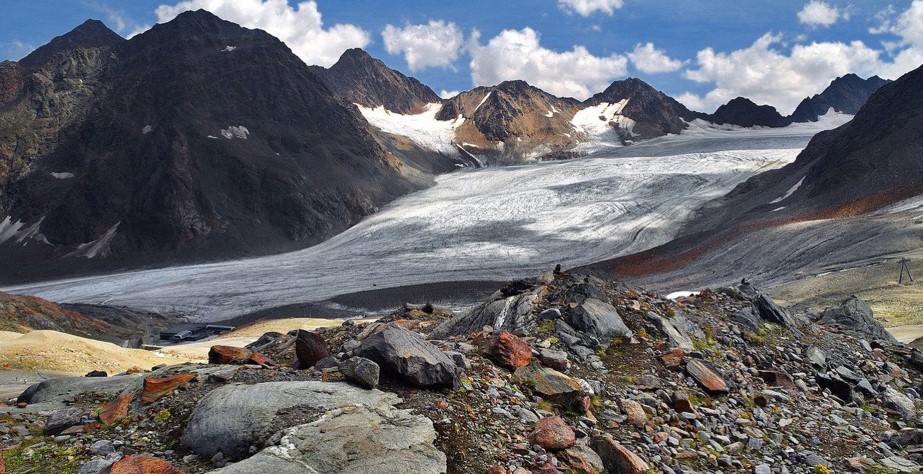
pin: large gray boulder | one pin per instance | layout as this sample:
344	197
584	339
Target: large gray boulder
356	439
66	388
513	314
598	319
856	317
675	336
232	418
406	353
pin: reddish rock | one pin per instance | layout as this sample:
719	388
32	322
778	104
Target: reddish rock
553	434
707	377
260	359
673	359
116	410
156	388
143	464
309	348
617	458
135	370
550	384
636	415
493	470
580	461
547	468
229	355
681	402
509	351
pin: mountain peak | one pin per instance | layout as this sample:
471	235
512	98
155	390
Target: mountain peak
845	94
746	113
89	34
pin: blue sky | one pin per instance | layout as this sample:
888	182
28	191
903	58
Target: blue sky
703	52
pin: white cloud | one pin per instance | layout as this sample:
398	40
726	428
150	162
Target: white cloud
651	60
448	94
517	54
819	13
766	75
908	52
15	50
434	44
301	28
588	7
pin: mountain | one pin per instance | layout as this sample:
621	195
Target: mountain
362	79
92	34
745	113
818	208
200	139
654	113
511	119
845	94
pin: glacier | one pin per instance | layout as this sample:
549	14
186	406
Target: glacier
487	224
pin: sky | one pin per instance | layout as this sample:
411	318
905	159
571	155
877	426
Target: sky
702	52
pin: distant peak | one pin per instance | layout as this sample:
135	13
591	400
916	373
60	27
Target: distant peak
89	34
355	53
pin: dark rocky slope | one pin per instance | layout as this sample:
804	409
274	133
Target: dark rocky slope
864	165
362	79
745	113
846	94
655	113
203	139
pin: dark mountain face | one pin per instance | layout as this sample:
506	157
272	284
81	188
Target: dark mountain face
845	94
203	139
655	113
91	34
864	165
362	79
743	112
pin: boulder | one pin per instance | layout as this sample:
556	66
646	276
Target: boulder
636	415
855	316
229	355
553	434
816	356
309	348
675	336
617	458
360	370
143	464
97	373
66	388
156	388
62	419
549	383
707	376
598	319
406	353
232	418
352	439
770	311
509	351
512	313
900	403
557	360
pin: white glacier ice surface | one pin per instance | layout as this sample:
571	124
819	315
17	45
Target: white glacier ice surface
487	224
423	128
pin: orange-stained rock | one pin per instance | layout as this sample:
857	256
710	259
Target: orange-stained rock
498	470
116	410
157	388
260	359
553	434
143	464
673	359
551	384
636	415
706	376
229	355
509	350
617	458
135	370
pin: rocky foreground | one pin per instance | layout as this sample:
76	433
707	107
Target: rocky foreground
558	374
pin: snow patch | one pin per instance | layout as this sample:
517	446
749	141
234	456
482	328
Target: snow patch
482	101
147	129
681	294
549	114
9	229
98	247
596	121
789	192
777	209
235	132
228	49
422	129
62	175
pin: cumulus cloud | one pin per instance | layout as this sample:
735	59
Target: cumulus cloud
819	13
766	75
448	94
301	27
651	60
586	8
434	44
518	54
908	50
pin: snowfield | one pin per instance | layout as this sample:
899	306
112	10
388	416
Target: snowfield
494	223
